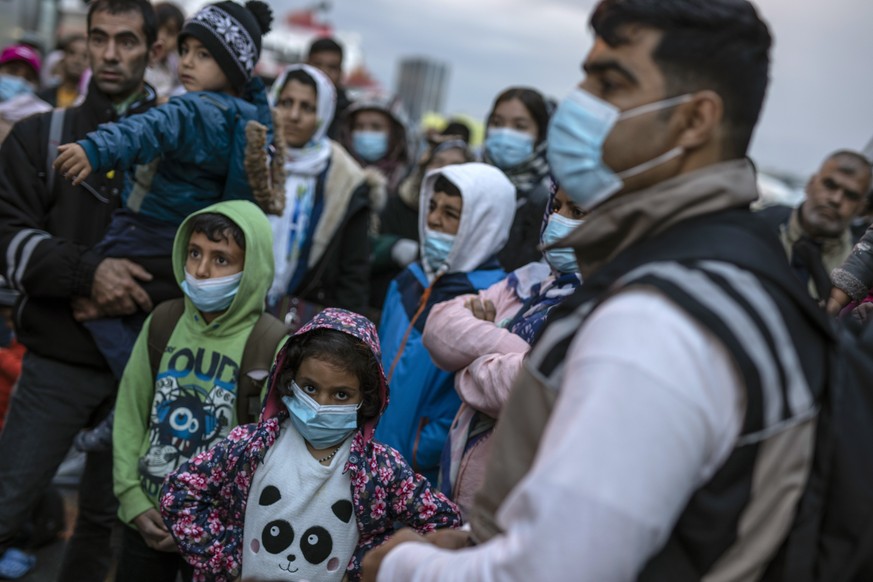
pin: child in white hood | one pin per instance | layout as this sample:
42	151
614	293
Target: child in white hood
465	215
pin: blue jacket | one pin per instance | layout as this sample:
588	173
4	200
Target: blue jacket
194	146
423	397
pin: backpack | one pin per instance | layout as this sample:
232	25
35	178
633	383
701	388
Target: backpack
831	536
831	539
257	355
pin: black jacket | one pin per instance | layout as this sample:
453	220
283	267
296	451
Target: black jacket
523	246
46	236
341	277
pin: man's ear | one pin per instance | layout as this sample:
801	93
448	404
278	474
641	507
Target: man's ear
703	120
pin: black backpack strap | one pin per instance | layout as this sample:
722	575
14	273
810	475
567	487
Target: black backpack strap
257	356
164	319
56	128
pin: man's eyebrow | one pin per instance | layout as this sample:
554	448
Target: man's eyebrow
606	66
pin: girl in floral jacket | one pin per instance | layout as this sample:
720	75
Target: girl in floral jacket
307	489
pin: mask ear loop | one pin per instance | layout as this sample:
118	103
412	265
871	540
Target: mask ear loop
654	106
666	156
646	166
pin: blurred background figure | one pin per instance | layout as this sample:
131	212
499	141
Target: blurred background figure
515	142
19	78
69	70
326	55
163	74
374	131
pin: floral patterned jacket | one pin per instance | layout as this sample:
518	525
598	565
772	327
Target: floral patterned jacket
204	501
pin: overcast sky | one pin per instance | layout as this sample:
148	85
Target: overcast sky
820	97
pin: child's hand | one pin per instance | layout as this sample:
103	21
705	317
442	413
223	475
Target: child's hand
72	163
483	310
153	530
373	560
85	309
837	301
449	539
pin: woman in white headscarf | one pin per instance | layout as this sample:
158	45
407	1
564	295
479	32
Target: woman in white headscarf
320	242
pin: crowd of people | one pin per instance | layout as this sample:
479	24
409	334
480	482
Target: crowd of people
299	339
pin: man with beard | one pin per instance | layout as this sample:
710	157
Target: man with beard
817	236
47	227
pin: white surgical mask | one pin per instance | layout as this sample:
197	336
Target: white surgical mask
211	295
577	132
562	259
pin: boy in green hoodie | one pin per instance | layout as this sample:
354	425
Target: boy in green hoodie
170	411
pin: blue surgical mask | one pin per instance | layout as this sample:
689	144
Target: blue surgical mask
211	295
13	86
562	259
577	132
436	248
321	425
371	146
508	147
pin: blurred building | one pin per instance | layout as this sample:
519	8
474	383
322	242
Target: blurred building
421	86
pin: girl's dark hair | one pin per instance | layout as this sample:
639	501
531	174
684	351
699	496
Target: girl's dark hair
443	184
301	77
217	228
346	352
169	14
533	101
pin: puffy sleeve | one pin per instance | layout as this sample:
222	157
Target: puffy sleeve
455	337
855	276
179	127
203	503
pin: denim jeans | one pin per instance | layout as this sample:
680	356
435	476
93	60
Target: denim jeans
140	563
53	401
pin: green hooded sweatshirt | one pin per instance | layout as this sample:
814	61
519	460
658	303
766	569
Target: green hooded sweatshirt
162	422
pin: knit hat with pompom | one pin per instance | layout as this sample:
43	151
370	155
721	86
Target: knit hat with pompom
232	33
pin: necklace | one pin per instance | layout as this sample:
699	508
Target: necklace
330	456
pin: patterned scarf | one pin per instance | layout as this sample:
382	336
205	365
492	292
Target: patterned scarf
539	295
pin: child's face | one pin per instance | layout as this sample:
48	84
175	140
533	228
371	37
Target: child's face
325	382
198	71
167	35
565	207
444	213
209	259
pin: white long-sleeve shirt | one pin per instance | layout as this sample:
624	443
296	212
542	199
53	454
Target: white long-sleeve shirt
650	406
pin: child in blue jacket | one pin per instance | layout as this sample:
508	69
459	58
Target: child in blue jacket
466	211
190	154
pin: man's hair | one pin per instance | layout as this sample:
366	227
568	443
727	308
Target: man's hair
218	228
857	157
721	45
301	77
144	7
533	101
325	45
444	185
347	353
167	12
